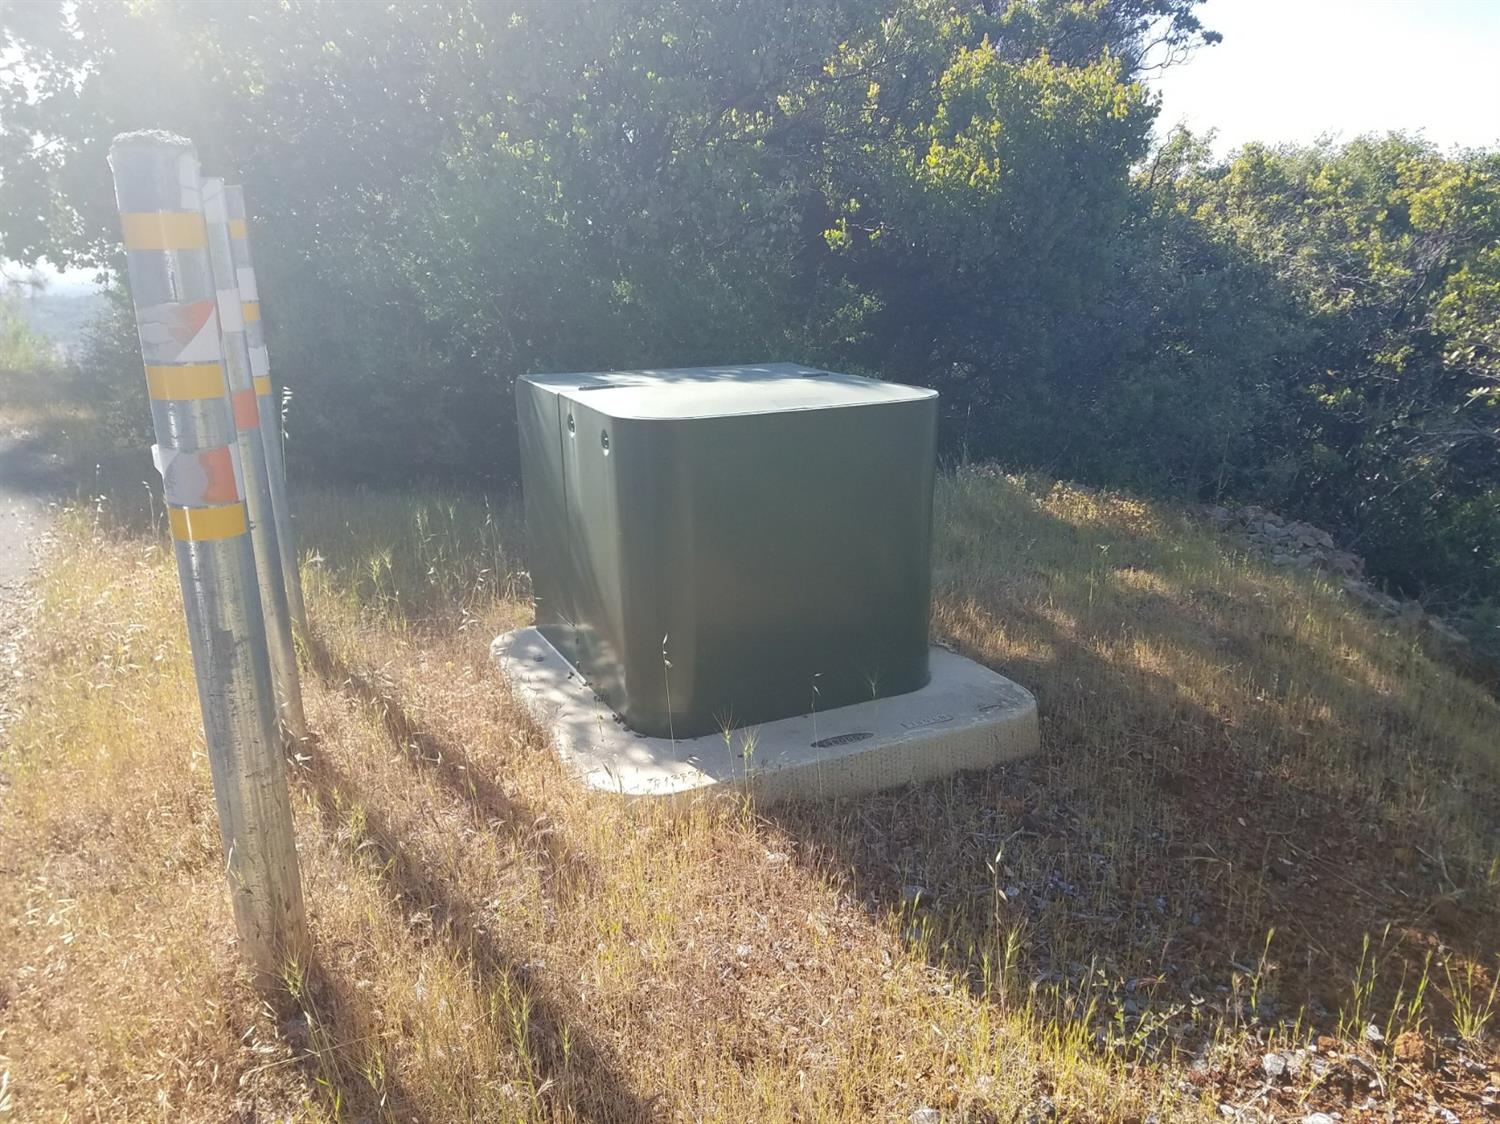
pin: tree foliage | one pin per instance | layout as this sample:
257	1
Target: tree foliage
960	193
1386	251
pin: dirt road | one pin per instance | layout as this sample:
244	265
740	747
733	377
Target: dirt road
29	481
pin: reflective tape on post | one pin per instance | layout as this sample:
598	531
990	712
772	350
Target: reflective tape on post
185	382
157	189
231	319
199	477
260	358
260	370
180	331
264	529
246	410
163	230
208	524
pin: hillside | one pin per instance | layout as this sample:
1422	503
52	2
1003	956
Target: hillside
1256	864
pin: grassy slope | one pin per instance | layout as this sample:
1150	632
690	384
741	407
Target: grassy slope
1255	817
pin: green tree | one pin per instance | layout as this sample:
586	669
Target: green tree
1387	249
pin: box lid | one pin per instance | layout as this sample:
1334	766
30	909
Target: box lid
712	392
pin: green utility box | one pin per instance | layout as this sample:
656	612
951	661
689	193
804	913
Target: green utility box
716	547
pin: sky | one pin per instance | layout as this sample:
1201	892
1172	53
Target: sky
69	281
1291	70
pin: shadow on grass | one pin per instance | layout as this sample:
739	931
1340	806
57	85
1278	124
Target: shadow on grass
448	763
1132	872
325	1024
568	1071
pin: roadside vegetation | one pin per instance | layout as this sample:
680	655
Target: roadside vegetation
28	369
1256	864
1254	871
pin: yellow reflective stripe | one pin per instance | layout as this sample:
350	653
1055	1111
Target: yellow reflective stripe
236	228
206	524
163	230
250	310
262	384
187	380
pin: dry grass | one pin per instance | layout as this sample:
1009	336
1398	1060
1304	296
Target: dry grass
1257	819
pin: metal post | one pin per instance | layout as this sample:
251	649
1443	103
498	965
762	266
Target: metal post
270	430
157	186
248	423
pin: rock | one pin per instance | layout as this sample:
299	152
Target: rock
1268	528
925	1116
1373	1033
1273	1066
911	895
1318	1118
1310	536
1346	564
1371	598
1293	544
1411	1047
1041	1110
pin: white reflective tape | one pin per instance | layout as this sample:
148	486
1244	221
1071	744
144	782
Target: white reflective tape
230	318
245	277
199	477
260	362
179	332
214	210
187	182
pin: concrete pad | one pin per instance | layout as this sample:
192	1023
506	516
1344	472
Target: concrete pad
967	717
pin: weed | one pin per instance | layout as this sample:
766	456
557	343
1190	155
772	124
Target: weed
1473	1004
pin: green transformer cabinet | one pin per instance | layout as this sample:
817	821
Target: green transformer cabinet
715	547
